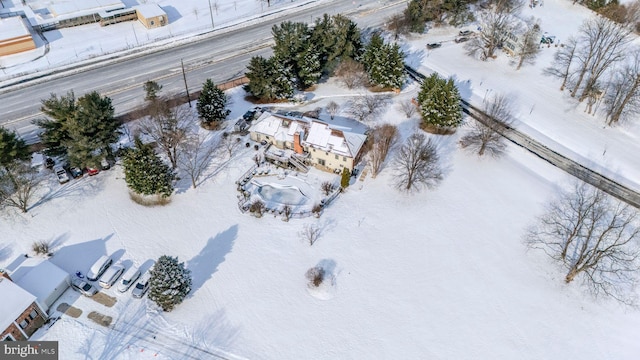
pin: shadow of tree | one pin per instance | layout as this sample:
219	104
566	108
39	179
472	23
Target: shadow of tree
205	264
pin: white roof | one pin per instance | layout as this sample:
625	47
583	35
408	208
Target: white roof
71	9
149	10
318	134
12	27
14	301
39	277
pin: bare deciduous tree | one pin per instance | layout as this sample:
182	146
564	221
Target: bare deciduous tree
196	153
398	24
528	47
623	97
332	109
591	236
18	183
494	27
310	233
351	73
230	144
368	107
562	61
327	187
601	44
484	137
168	127
416	164
382	138
408	108
286	212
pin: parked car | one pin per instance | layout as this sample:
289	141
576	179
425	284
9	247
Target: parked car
433	45
99	267
49	163
547	39
92	171
465	33
248	116
104	164
461	39
141	286
83	287
61	173
128	278
110	276
75	172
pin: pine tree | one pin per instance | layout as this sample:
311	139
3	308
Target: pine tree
169	283
82	129
384	63
12	148
145	173
309	66
268	79
212	104
439	102
346	177
151	89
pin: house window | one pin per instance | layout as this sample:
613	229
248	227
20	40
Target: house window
152	23
314	150
24	323
267	137
321	162
33	314
337	157
344	158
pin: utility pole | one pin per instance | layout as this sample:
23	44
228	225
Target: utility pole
211	13
184	76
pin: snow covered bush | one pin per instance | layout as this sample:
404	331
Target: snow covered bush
315	275
257	208
145	173
440	106
212	105
41	247
170	282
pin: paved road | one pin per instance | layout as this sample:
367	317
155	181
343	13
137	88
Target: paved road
556	159
220	57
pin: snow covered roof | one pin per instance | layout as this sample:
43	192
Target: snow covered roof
14	301
150	10
340	140
13	27
75	8
39	277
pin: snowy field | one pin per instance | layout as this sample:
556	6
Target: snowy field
441	274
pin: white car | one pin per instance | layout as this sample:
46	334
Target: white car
128	279
99	267
84	287
61	173
141	286
110	276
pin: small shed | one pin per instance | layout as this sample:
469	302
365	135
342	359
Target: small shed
43	279
151	16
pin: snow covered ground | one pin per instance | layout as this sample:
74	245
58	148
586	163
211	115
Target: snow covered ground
441	274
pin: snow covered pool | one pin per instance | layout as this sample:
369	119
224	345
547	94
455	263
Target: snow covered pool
282	194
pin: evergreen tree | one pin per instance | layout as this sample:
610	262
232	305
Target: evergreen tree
346	177
82	129
384	63
347	40
309	66
212	104
169	282
439	102
151	90
12	148
54	134
268	80
145	173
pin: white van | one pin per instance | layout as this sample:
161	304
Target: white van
128	278
110	276
141	286
98	268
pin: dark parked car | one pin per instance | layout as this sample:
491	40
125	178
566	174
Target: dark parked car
433	45
461	39
248	116
465	33
75	172
49	163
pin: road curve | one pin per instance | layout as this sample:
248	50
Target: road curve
554	158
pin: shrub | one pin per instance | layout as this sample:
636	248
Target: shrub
257	208
327	187
315	275
41	247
